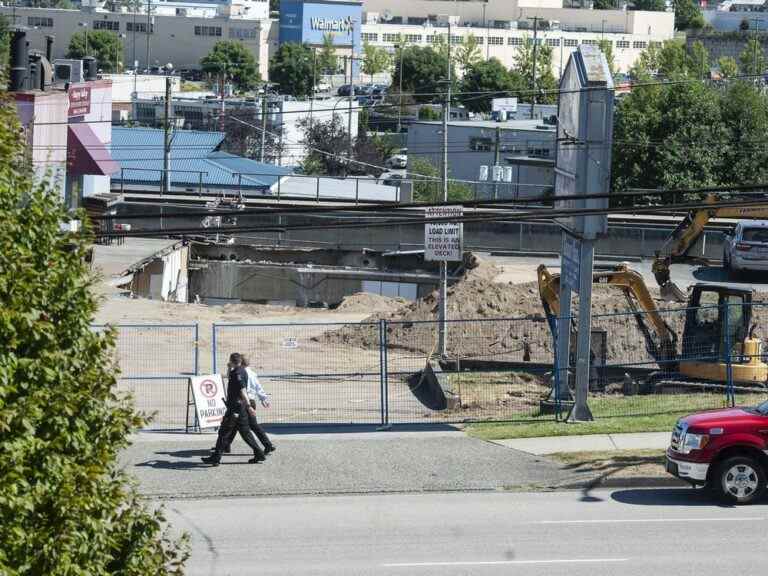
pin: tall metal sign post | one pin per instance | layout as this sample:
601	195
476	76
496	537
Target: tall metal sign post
582	167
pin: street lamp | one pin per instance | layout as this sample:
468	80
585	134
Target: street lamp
117	48
84	26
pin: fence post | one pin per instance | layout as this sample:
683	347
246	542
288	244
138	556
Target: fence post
197	349
318	188
558	376
383	376
357	190
213	347
729	394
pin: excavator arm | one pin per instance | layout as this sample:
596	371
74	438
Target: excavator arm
676	247
660	339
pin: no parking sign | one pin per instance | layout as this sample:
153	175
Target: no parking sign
209	393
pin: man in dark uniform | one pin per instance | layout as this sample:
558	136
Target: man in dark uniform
236	416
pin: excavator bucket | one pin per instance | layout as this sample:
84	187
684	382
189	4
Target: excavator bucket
671	292
428	389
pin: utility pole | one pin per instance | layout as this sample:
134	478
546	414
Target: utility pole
400	93
443	293
166	188
263	122
149	29
496	160
754	47
535	53
349	119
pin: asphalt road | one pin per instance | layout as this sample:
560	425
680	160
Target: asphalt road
523	269
626	532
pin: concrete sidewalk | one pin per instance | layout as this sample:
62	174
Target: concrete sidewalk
589	443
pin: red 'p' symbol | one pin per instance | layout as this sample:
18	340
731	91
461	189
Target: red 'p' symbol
208	388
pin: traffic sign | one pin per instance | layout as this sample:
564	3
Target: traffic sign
444	241
208	392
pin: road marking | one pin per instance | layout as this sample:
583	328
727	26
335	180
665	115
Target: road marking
503	562
650	520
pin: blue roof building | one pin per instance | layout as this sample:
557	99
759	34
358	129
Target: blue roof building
197	164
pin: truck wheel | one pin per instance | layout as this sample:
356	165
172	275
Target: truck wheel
739	480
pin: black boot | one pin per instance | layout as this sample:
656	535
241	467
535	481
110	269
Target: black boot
268	449
257	457
214	459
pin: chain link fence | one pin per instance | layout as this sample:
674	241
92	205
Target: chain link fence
155	363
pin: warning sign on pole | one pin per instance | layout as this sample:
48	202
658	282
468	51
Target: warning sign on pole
209	394
444	241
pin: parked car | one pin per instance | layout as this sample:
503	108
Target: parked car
379	91
322	86
725	450
390	179
343	90
398	160
747	248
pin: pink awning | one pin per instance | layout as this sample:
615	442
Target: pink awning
86	154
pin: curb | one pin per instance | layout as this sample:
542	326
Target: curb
544	254
626	482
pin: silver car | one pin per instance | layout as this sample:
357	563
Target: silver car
747	249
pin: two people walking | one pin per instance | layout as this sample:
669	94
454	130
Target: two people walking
243	389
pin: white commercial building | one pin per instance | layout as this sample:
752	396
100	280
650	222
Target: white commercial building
182	33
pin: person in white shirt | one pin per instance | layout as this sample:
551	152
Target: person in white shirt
255	392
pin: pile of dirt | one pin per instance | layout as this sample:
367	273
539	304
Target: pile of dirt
520	332
367	302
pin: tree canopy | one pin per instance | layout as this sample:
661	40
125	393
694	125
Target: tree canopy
688	15
469	53
375	60
422	68
427	186
545	79
102	45
67	506
235	61
327	61
291	68
487	76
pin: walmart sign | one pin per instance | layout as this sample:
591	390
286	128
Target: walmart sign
345	25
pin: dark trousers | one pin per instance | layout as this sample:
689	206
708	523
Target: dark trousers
255	428
234	422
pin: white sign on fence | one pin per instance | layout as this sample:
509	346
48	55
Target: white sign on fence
209	394
444	241
504	104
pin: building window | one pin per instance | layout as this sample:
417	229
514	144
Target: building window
480	40
457	40
514	41
495	40
139	27
640	44
570	42
590	42
243	33
654	43
480	144
554	42
622	43
392	38
207	30
40	21
370	37
106	25
538	152
416	38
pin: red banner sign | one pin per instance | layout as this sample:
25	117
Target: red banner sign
79	100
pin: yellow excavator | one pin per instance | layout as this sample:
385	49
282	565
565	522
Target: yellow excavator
680	242
705	333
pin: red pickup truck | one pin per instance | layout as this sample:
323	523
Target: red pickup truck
726	450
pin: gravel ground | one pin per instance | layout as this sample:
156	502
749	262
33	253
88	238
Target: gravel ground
169	466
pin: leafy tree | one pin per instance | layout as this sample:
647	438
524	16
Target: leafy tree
427	186
698	60
752	59
375	60
422	69
5	42
235	61
62	4
673	59
291	68
327	144
468	53
745	113
274	5
67	506
650	5
487	76
728	67
546	84
607	47
102	45
327	61
604	5
428	113
688	15
243	129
